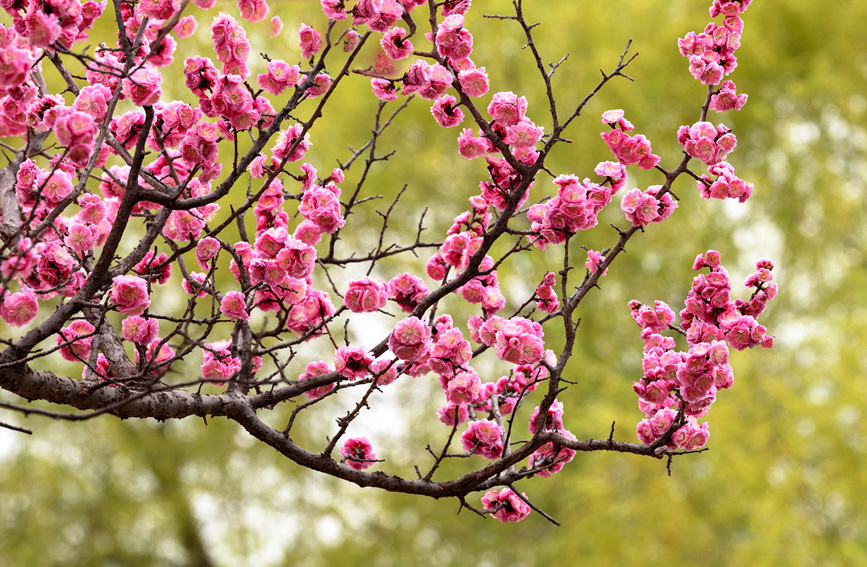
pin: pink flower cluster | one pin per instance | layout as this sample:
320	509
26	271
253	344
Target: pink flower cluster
140	330
130	294
365	295
429	81
687	382
629	150
395	45
575	208
231	45
513	126
724	184
77	131
407	290
219	365
312	370
711	144
449	353
506	505
357	453
551	457
594	261
727	98
453	41
711	53
710	312
280	76
43	23
643	208
410	339
379	15
485	438
310	40
353	363
547	300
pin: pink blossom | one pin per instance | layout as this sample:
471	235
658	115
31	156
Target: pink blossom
309	310
553	420
727	98
464	388
617	118
14	65
20	263
449	353
545	458
484	438
365	295
594	261
186	26
93	99
453	414
233	101
640	208
547	297
333	9
410	339
143	86
724	184
297	258
77	131
524	134
312	370
471	147
276	26
711	144
384	371
505	505
234	306
279	77
200	75
56	185
474	82
140	330
407	290
159	9
183	225
78	349
655	318
288	141
196	284
310	40
18	309
350	40
308	232
383	89
445	113
321	83
507	108
253	10
352	362
357	453
520	341
155	269
453	40
231	45
218	364
394	44
129	294
81	237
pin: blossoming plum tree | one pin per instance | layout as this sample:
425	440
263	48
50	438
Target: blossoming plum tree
108	162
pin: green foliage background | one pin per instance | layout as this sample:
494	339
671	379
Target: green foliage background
783	480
